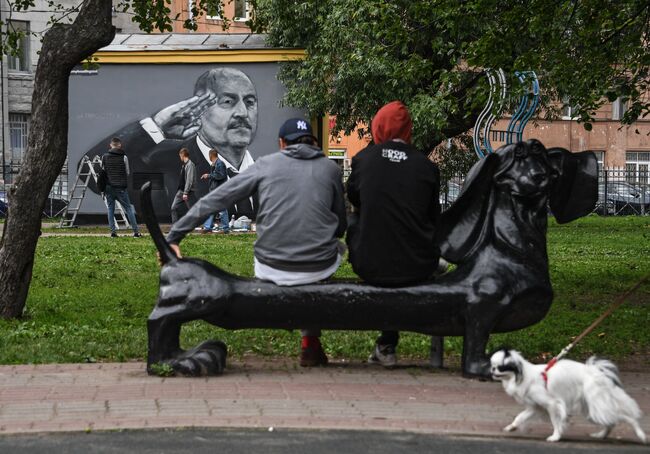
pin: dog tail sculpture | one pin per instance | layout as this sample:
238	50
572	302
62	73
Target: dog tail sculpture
208	358
166	253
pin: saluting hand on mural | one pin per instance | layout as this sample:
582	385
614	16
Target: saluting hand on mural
183	119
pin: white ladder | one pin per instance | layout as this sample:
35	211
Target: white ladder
85	171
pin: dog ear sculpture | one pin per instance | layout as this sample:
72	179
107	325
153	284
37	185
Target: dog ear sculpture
464	225
575	191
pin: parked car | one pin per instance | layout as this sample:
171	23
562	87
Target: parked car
621	197
450	195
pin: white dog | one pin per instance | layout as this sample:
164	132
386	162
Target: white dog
592	389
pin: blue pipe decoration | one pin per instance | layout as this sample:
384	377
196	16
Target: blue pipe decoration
533	103
503	89
524	112
480	152
510	130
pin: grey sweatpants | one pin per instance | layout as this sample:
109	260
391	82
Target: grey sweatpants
180	206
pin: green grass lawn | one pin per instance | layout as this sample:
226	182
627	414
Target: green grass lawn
90	298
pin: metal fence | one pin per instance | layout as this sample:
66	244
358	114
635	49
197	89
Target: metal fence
622	191
57	199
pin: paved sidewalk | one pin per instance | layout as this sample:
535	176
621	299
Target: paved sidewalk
270	393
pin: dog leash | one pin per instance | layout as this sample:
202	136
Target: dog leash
620	300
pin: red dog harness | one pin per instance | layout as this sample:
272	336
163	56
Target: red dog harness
550	364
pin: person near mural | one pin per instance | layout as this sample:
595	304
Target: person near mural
184	198
393	188
216	177
300	218
222	114
116	165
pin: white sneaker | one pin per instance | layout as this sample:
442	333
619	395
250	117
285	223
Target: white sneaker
384	355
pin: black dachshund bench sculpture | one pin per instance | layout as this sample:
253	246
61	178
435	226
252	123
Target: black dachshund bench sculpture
495	234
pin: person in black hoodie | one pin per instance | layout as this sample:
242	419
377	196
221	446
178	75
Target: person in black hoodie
116	165
394	190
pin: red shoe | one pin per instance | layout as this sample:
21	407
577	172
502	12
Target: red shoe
313	356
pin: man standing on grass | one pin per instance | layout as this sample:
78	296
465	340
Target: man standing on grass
300	218
116	165
184	198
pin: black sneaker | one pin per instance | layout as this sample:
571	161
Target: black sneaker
113	235
384	355
137	235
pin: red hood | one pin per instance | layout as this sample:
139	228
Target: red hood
392	122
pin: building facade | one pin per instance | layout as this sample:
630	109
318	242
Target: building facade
17	75
616	146
237	12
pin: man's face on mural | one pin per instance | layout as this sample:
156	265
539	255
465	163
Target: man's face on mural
231	121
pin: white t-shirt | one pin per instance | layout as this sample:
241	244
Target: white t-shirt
289	278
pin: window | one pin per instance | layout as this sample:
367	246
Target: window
618	109
568	109
18	129
211	10
637	165
241	10
20	61
600	158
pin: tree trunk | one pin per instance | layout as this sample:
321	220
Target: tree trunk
64	46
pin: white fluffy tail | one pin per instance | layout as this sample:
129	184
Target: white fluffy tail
608	368
606	400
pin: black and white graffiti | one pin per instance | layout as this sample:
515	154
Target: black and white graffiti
222	114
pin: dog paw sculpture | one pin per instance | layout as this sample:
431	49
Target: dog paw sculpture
495	233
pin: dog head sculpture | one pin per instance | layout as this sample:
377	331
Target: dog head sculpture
522	179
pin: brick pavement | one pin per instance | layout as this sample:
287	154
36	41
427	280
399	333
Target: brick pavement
268	393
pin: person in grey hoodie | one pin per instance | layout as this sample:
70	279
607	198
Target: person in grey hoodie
301	215
184	198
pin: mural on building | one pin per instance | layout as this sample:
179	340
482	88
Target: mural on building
167	109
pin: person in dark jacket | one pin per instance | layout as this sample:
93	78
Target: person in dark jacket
394	189
184	198
216	177
300	219
116	165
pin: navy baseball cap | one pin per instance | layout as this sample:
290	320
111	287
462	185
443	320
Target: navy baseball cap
295	128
